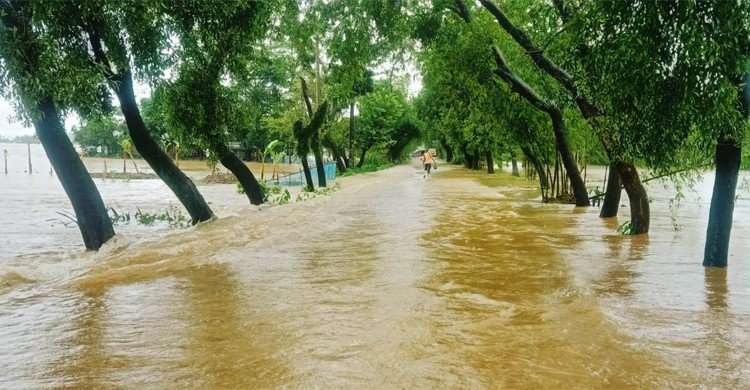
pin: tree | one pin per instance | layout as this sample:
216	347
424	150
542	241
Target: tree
304	135
100	131
215	42
678	68
27	69
622	169
127	151
382	114
93	32
542	103
336	43
348	82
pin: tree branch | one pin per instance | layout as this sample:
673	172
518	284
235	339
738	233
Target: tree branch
537	55
306	96
518	85
100	58
532	50
667	174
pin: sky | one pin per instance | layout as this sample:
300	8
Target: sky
7	126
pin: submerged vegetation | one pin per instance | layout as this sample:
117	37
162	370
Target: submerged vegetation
172	216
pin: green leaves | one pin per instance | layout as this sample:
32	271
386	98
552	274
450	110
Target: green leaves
665	73
380	113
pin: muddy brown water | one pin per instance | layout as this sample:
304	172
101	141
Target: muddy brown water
394	281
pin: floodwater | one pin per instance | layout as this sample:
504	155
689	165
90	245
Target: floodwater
393	281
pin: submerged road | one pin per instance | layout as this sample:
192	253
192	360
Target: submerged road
393	281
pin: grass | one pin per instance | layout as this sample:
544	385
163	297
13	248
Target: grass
365	168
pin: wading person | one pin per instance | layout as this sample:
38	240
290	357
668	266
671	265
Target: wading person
428	162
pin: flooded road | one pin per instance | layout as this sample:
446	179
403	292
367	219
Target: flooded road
464	280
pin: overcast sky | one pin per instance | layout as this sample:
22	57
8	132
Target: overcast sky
7	127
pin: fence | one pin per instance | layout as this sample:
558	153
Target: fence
298	178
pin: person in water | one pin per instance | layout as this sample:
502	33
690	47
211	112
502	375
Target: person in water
428	161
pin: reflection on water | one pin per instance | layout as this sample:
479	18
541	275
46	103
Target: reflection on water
464	280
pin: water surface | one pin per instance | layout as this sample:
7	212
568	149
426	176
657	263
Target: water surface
464	280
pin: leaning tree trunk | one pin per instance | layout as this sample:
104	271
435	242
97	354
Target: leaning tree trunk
728	158
362	158
309	186
310	135
149	149
303	147
490	162
328	143
518	85
91	215
611	204
315	146
640	212
561	139
539	168
241	171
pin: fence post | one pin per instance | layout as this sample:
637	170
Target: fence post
28	147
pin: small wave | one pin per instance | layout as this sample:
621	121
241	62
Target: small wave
11	279
507	309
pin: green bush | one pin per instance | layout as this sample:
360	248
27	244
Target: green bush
265	188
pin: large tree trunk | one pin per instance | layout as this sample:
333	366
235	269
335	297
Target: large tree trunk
514	164
151	151
640	213
91	215
490	162
611	204
241	171
728	158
